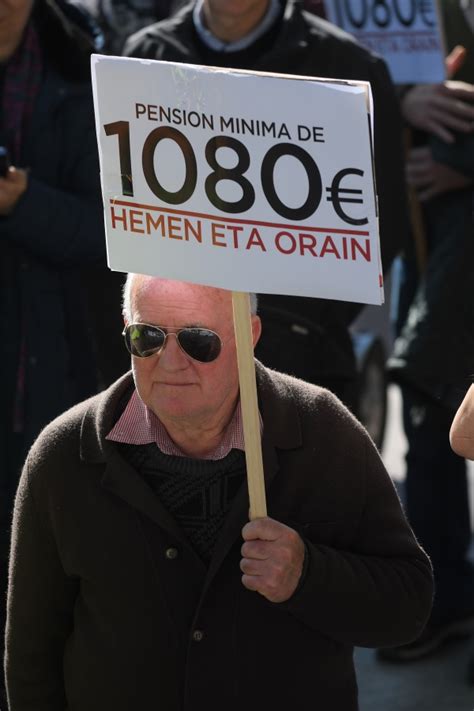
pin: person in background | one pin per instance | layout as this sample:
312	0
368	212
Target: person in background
50	229
305	337
137	581
434	353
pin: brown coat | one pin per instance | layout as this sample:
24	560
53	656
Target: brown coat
102	616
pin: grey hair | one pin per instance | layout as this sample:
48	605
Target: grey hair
127	299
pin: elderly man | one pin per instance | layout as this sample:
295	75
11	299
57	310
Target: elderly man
137	581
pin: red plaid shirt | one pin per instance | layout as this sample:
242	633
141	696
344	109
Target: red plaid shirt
139	425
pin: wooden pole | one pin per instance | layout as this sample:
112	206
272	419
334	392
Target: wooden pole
249	404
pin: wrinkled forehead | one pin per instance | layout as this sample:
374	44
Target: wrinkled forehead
188	301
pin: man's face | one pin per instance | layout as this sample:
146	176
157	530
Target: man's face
173	385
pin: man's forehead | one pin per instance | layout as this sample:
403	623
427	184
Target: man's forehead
166	292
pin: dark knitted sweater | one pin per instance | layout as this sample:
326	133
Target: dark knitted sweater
198	493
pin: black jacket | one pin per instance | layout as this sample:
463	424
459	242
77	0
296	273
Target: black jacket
307	45
102	617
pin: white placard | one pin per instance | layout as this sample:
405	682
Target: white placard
249	182
406	33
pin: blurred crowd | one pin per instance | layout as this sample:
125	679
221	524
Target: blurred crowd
60	315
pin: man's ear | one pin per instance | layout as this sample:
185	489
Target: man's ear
256	329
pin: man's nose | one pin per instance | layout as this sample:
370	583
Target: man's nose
171	355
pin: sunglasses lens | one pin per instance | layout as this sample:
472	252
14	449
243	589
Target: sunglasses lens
200	344
142	340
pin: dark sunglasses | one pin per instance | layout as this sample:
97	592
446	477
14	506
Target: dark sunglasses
143	340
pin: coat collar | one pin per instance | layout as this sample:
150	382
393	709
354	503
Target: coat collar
281	424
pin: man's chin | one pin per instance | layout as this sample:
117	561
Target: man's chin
174	406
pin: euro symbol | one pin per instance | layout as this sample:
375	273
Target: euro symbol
336	196
426	10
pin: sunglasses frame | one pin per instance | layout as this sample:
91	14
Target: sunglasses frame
171	331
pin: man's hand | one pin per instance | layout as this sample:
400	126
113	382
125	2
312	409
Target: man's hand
430	178
437	108
12	187
441	109
272	559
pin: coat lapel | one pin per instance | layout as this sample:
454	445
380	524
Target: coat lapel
123	481
120	478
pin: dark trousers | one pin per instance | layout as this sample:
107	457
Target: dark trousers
437	502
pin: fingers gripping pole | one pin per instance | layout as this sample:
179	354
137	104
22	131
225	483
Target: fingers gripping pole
249	404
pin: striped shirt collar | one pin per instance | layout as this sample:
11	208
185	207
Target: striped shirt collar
139	425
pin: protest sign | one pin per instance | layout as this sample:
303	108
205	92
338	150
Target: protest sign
406	33
248	182
243	181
